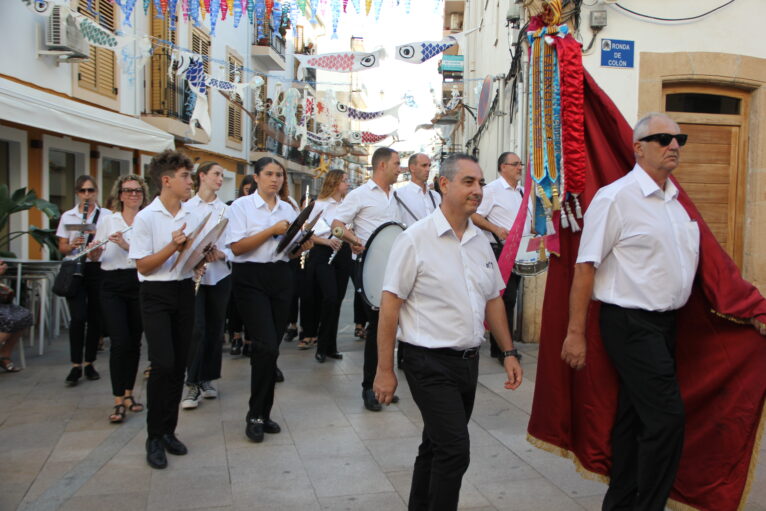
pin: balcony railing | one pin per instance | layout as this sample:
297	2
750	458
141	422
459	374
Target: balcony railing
274	40
262	142
170	97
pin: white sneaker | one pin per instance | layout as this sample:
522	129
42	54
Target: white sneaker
208	391
192	398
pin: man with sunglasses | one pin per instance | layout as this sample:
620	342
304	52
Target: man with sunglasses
638	256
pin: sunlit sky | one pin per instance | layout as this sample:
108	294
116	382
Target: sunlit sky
386	85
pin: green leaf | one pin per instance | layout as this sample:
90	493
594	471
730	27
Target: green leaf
46	238
7	255
49	208
19	194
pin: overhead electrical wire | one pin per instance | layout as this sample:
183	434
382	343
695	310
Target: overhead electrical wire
690	18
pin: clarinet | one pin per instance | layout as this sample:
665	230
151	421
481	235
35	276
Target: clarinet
80	261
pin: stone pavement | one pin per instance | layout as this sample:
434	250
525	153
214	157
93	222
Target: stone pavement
60	452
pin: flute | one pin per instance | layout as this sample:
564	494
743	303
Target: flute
340	233
102	243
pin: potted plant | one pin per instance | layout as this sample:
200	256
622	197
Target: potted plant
23	200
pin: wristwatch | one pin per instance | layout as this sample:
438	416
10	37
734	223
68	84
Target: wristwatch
512	353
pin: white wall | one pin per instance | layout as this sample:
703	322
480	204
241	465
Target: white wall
725	31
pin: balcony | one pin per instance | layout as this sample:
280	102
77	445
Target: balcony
170	102
269	52
262	144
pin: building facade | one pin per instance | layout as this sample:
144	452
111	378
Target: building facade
682	58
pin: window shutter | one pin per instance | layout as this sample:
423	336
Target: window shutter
163	96
99	72
234	112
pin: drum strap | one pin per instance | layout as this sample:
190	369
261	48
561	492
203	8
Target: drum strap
405	206
432	198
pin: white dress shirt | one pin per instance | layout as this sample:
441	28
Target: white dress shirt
420	203
500	205
250	215
642	241
367	207
152	230
114	257
73	216
217	270
325	209
445	283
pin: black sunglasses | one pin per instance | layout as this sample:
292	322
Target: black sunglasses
87	190
664	139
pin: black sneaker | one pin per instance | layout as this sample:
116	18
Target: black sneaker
247	349
74	376
155	453
91	373
278	376
370	401
290	334
254	430
236	347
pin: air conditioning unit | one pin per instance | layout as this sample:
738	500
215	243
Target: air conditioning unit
63	34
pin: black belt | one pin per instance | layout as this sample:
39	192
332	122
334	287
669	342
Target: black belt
469	353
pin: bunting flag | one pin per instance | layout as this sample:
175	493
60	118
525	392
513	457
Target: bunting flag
215	8
368	6
344	62
335	18
419	52
361	115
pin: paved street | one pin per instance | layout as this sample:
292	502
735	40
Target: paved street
60	452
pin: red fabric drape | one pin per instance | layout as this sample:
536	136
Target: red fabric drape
721	364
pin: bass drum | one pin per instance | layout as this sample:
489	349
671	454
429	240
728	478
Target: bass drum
374	259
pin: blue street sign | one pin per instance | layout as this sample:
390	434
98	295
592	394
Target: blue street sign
617	53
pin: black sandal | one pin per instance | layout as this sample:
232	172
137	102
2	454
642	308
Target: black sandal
360	332
7	365
119	413
135	406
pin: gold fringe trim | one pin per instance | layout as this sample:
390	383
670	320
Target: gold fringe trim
674	505
731	318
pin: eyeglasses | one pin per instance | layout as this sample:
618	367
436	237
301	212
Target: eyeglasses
87	190
514	164
132	191
664	139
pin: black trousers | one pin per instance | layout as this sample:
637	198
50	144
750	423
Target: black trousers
648	433
85	310
211	304
263	292
167	309
360	312
122	314
326	286
295	297
371	339
444	388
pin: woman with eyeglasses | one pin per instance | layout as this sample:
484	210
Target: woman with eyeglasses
119	291
84	307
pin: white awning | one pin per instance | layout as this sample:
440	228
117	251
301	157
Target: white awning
32	107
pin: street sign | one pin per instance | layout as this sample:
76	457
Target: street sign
452	63
617	53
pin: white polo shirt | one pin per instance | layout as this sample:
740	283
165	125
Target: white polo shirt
114	257
420	203
642	242
73	216
325	209
445	283
217	270
152	230
500	205
367	207
250	215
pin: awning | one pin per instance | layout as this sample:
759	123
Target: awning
32	107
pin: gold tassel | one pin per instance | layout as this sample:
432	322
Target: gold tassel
543	197
556	203
541	255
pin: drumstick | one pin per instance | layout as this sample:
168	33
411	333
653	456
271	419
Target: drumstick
344	235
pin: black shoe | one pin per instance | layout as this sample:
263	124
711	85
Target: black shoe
247	349
321	357
395	399
236	347
155	453
290	334
271	427
74	375
173	445
254	430
278	376
336	355
370	402
91	373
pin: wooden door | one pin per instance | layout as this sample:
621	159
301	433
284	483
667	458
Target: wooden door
708	172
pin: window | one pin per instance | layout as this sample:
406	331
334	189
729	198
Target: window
62	167
166	97
234	105
99	72
702	103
